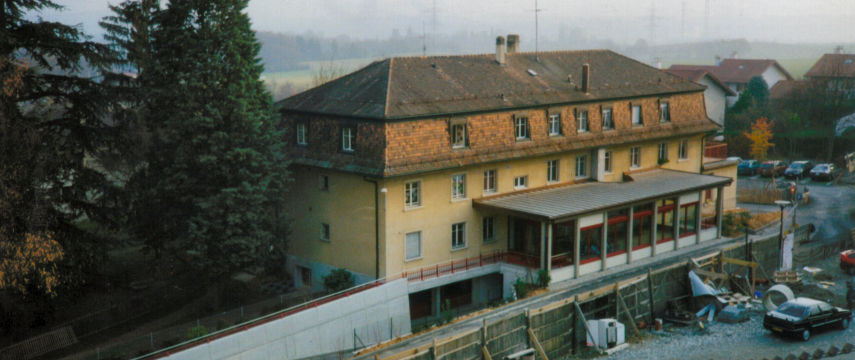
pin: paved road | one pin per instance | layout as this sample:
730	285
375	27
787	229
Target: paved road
558	291
831	208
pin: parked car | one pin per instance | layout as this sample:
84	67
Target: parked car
747	167
802	316
822	172
798	169
772	168
847	261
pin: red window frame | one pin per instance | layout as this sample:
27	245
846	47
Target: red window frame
616	220
662	210
639	215
592	259
683	218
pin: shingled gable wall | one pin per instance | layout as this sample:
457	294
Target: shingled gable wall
425	144
323	148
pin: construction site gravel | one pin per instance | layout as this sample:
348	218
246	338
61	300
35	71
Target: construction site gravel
748	340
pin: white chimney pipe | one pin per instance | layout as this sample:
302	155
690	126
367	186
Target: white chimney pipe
500	50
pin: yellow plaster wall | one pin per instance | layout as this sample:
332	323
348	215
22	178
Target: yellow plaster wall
348	206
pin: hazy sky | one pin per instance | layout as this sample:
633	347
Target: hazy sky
625	21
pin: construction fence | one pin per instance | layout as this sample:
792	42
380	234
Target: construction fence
558	330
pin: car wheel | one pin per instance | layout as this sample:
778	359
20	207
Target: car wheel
844	323
806	335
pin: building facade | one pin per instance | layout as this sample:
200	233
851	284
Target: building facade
464	173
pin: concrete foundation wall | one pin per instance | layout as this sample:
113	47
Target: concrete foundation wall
372	316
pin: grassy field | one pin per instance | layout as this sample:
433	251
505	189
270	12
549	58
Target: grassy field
302	79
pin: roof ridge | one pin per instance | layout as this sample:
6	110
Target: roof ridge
492	54
388	85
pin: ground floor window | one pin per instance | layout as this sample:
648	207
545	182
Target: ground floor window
642	226
421	304
665	220
456	294
305	275
617	232
688	219
563	236
590	243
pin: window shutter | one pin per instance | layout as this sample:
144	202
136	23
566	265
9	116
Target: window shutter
468	133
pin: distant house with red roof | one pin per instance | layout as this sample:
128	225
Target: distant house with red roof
736	73
838	70
715	96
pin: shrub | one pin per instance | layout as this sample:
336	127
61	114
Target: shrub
543	278
521	288
447	312
195	332
338	280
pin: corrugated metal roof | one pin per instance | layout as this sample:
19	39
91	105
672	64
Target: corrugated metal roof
579	199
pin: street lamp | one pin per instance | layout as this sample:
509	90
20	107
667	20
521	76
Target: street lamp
782	204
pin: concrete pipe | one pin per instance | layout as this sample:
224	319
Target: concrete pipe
779	289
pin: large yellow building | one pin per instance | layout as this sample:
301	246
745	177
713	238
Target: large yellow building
464	173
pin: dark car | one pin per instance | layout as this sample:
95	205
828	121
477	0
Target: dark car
802	316
798	169
747	167
822	172
772	168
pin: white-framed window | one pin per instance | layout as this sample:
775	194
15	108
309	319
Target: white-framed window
325	232
413	194
554	124
521	127
301	133
552	171
488	229
490	181
458	135
582	166
458	186
608	121
635	157
582	119
458	235
636	115
521	182
663	152
323	182
664	112
413	245
684	149
607	162
347	136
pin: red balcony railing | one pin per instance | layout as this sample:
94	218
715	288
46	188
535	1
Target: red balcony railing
715	149
453	266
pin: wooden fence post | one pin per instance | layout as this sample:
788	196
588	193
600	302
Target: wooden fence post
650	294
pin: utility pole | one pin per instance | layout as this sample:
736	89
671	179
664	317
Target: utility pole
536	31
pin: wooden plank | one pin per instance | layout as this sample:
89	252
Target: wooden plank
409	353
551	306
455	337
486	353
581	317
626	311
739	262
711	274
537	345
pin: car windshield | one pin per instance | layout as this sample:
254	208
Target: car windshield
765	165
797	166
793	309
821	168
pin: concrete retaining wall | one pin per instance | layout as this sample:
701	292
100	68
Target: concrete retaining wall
373	315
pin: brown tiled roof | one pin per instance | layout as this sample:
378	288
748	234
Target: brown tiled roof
407	87
695	75
784	88
833	65
742	70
